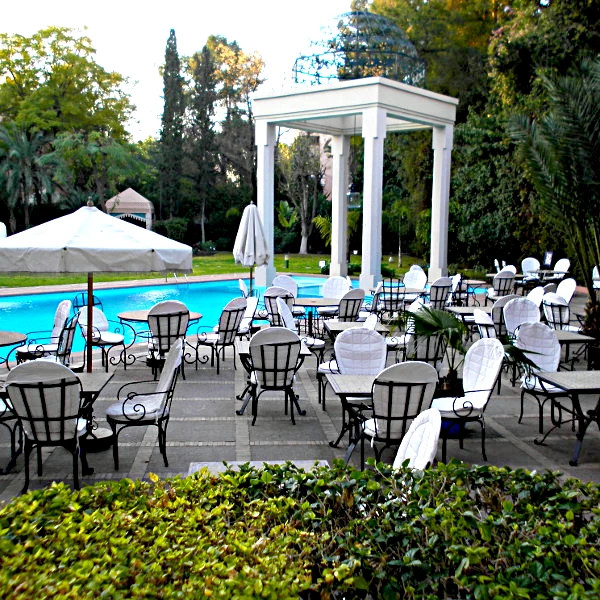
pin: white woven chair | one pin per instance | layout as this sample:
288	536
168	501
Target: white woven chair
45	343
485	324
518	311
350	305
243	288
529	268
367	308
511	268
334	287
399	341
288	283
270	299
536	295
502	285
415	279
596	278
138	407
245	328
400	393
168	321
561	268
541	345
566	289
419	445
439	292
497	313
557	313
481	368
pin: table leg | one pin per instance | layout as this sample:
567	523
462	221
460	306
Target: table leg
583	424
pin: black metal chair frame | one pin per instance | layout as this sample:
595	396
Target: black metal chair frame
9	419
287	373
161	421
438	296
227	330
349	308
69	443
167	328
273	311
391	298
387	419
502	286
81	299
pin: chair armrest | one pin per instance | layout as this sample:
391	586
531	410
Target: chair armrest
125	385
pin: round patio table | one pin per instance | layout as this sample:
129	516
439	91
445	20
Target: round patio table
141	316
312	304
10	338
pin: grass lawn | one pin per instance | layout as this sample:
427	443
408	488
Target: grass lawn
221	262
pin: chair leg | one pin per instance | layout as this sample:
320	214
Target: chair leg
26	455
39	460
115	445
482	423
254	396
75	468
521	413
162	442
216	351
289	395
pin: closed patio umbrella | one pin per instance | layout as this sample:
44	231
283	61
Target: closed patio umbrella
90	241
250	248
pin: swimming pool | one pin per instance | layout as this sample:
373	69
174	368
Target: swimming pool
34	312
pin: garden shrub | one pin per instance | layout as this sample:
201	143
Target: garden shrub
280	532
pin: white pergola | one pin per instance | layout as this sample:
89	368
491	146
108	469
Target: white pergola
371	107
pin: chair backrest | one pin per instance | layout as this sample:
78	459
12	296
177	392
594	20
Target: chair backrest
371	321
63	310
335	287
549	287
230	319
536	295
170	371
561	267
439	292
529	265
566	289
274	353
596	277
65	341
518	311
243	288
81	299
482	365
286	315
99	320
416	268
510	268
391	295
400	393
429	349
270	299
287	283
168	321
485	324
251	304
46	398
420	443
556	311
376	297
415	278
360	351
497	315
541	344
350	305
503	282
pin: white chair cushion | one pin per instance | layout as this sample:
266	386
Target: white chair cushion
531	382
107	337
208	339
330	366
313	343
327	311
152	404
298	311
397	341
37	348
470	405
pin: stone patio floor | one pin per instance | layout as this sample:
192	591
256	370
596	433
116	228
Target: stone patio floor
204	428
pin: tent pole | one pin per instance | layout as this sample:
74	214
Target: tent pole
90	312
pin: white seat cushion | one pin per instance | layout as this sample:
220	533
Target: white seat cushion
298	311
531	382
108	337
37	348
261	314
313	343
470	405
208	339
330	366
152	404
397	341
327	311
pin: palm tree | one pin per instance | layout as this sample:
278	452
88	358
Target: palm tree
561	154
25	169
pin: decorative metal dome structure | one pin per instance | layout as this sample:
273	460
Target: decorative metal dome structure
362	44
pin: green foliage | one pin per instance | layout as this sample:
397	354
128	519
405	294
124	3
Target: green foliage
176	228
451	531
286	215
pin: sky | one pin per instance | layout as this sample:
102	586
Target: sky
130	36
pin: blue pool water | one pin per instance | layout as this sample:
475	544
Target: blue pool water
34	312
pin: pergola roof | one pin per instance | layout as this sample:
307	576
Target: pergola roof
129	202
336	109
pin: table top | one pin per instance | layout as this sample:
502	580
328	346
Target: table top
339	326
91	383
473	282
573	381
403	290
10	338
351	385
141	316
571	336
468	310
316	302
243	348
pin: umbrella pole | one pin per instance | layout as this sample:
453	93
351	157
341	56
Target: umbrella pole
251	292
90	312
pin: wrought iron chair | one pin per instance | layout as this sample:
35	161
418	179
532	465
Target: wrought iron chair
288	283
45	343
391	299
270	298
81	301
481	368
275	357
168	322
334	287
224	334
439	293
350	305
137	407
518	311
104	338
498	314
400	393
245	328
414	278
419	445
502	285
46	397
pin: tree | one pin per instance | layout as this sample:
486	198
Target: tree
25	169
561	153
301	176
201	148
171	134
51	83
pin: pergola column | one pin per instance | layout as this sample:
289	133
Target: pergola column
440	199
265	183
340	145
373	131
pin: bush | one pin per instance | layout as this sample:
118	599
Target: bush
207	248
452	531
175	228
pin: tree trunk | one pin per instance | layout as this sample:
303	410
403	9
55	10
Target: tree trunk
202	204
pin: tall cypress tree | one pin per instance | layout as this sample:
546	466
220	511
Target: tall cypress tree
201	148
171	134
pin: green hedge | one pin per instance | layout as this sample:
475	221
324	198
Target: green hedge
452	531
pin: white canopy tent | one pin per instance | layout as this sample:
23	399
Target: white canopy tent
372	106
90	241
